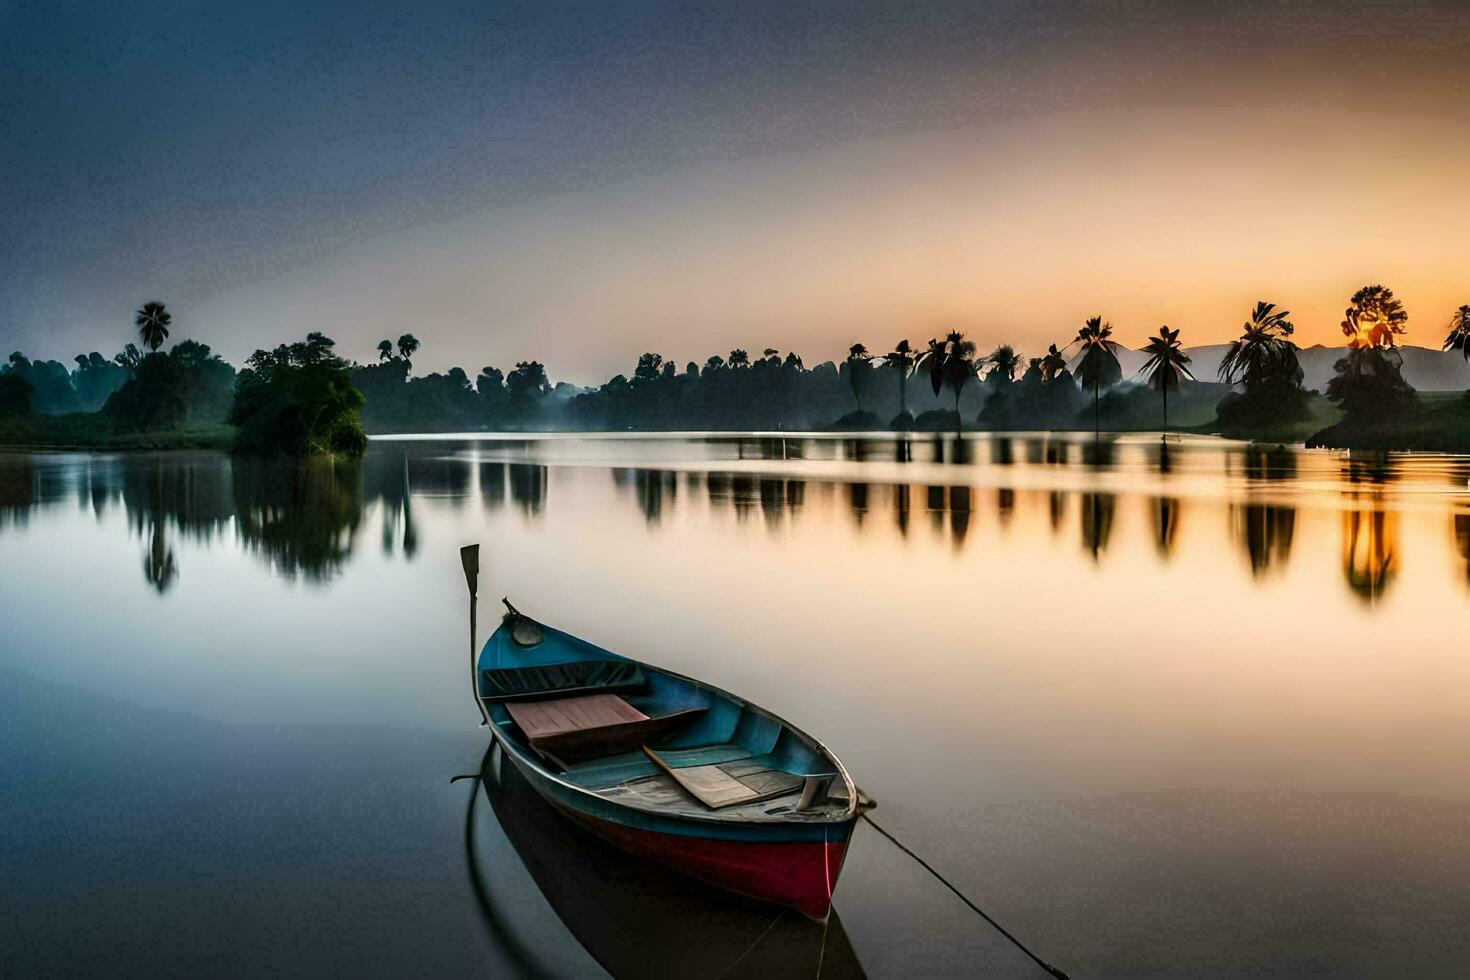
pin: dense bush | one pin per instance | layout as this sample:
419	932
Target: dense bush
189	385
298	400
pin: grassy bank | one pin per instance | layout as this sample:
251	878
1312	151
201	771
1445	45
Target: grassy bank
1442	425
91	431
1321	414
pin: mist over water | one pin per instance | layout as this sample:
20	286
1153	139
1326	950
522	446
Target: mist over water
1194	710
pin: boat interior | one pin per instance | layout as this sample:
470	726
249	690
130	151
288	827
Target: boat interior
649	739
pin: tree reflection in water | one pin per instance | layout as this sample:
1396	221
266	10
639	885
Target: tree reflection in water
1057	509
1005	506
1369	550
959	515
1369	531
1166	524
300	516
902	507
857	501
1097	522
1265	529
1460	528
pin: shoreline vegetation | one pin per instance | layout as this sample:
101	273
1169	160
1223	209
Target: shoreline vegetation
303	399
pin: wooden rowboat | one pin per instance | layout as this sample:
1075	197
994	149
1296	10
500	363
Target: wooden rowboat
634	916
667	767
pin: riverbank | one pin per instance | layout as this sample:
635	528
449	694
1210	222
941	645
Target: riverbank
1442	425
91	432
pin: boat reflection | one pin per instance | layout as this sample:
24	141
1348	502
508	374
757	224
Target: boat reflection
636	919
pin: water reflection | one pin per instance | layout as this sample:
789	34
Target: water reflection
902	507
1369	550
1460	529
1369	531
1264	527
1097	522
1166	524
1265	531
959	514
528	487
304	520
634	917
300	518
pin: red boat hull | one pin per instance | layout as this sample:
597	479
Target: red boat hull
800	874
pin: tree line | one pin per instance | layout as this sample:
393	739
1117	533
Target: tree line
304	398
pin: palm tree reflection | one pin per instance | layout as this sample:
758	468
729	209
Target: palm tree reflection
1057	504
1265	529
158	561
1097	522
902	506
857	501
959	514
1460	528
1166	524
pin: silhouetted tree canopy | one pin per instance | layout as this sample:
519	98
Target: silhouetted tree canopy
298	400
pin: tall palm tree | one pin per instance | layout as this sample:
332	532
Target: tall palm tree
385	349
1052	364
1166	365
1099	359
951	362
902	359
1264	351
1459	338
1003	362
959	366
857	360
153	322
932	359
408	346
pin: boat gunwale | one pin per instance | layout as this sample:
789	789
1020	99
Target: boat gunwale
518	755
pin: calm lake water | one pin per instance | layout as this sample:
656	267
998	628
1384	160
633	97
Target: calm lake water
1200	711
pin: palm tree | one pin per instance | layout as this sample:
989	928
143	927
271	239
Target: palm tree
902	359
1166	365
1003	362
1459	338
959	366
1052	364
1099	359
153	322
933	359
385	349
950	361
1263	352
408	345
857	360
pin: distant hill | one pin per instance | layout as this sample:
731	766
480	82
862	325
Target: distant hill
1425	369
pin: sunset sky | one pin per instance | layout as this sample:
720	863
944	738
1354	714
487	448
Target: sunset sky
578	185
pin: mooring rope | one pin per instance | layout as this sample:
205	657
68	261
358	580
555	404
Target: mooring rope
962	897
764	933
